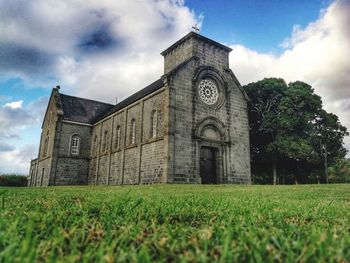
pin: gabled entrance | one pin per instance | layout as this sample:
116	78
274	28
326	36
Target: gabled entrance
208	165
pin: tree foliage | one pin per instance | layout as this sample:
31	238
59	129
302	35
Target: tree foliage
289	128
340	172
13	180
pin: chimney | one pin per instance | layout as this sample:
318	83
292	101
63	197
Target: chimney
116	100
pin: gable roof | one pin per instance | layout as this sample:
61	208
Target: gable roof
136	96
82	110
90	111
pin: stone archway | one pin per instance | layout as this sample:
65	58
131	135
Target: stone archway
212	137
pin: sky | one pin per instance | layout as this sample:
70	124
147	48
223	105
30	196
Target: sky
111	48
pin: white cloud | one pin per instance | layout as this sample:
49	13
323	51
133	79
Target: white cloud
12	119
318	54
144	29
91	46
17	160
94	49
15	120
14	105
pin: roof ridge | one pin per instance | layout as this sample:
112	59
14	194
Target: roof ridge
133	98
85	99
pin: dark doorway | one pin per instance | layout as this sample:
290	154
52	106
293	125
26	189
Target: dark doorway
208	165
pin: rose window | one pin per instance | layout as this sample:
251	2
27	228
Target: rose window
208	92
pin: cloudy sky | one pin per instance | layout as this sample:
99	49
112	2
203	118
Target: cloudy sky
111	48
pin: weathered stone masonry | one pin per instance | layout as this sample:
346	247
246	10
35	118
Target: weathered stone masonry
125	162
170	132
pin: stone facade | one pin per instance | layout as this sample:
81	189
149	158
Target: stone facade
116	158
166	133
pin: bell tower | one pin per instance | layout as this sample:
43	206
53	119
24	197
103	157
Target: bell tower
208	120
208	51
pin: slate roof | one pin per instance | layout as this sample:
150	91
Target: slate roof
90	111
82	110
136	96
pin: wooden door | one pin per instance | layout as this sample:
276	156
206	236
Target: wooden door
208	165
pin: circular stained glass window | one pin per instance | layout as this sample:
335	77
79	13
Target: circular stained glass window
208	92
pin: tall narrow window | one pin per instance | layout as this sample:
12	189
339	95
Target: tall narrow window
105	141
117	139
46	143
42	176
132	131
95	151
50	117
74	145
154	123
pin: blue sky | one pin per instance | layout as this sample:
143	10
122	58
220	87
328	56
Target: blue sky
106	49
260	25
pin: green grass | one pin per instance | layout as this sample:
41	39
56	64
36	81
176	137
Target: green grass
305	223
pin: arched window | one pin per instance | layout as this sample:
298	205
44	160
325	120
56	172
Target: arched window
154	123
132	131
117	138
74	145
105	141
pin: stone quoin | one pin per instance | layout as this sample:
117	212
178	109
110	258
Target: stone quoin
190	126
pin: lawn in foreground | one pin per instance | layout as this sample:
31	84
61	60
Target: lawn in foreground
304	223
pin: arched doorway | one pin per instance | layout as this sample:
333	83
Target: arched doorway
211	138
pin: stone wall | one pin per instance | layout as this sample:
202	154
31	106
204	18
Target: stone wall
116	169
115	159
131	167
68	168
152	162
188	112
239	133
55	164
178	55
47	144
33	172
194	47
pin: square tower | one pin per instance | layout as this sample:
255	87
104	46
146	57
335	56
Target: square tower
208	119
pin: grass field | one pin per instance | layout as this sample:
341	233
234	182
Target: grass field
176	223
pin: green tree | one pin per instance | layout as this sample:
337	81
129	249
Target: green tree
340	172
288	125
13	180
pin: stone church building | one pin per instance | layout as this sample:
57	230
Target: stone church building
189	126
